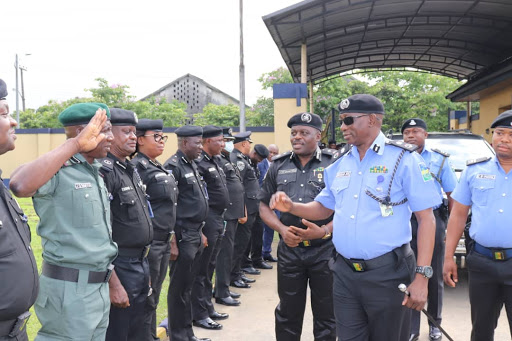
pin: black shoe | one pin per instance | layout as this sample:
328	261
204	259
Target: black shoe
207	323
229	301
218	316
195	338
414	337
434	334
240	284
262	265
269	258
247	279
251	271
234	294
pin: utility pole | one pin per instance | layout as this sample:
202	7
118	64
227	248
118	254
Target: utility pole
22	68
242	71
16	66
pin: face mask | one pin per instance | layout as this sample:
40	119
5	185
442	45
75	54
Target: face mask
229	146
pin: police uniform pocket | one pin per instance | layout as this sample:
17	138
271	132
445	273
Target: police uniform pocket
160	189
86	211
286	181
481	190
338	186
127	201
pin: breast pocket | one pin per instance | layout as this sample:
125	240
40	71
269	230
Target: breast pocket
338	187
287	183
480	191
86	207
161	189
128	201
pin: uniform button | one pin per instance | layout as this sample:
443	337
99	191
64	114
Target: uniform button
360	173
174	188
504	194
481	187
87	195
352	217
355	196
506	178
303	171
15	220
500	210
231	203
166	181
133	201
301	185
285	180
29	248
300	199
176	204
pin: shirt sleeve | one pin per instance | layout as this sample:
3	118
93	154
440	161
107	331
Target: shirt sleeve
269	185
326	197
448	177
48	188
462	192
418	183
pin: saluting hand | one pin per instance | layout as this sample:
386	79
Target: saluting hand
91	135
281	202
313	231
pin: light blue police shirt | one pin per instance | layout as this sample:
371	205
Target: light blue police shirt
488	190
447	175
360	231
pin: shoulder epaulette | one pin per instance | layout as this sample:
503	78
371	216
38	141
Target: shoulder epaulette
240	156
173	160
334	153
345	149
71	161
479	160
280	156
401	144
143	163
445	154
107	164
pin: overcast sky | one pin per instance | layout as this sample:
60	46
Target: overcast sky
143	44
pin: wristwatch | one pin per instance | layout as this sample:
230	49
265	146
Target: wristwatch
426	271
327	233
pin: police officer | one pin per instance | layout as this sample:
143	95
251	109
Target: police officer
414	131
162	192
484	187
20	282
372	190
72	203
132	231
234	215
191	214
300	174
241	157
210	169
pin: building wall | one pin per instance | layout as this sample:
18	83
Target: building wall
490	107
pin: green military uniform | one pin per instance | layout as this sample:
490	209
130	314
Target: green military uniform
76	236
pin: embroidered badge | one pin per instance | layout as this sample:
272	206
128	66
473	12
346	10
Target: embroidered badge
306	117
343	174
378	169
425	173
344	104
240	165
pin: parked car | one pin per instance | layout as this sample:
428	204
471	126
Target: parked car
462	146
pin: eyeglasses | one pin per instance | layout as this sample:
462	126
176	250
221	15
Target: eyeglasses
349	120
159	137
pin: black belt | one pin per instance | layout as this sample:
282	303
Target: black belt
361	265
162	236
498	254
134	252
314	242
71	275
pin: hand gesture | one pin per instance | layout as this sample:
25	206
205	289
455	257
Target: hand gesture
91	135
289	236
281	202
313	231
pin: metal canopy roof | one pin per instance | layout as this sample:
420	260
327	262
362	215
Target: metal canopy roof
454	38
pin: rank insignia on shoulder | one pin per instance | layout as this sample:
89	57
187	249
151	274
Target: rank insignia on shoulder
240	156
280	156
107	165
445	154
401	144
479	160
143	163
173	160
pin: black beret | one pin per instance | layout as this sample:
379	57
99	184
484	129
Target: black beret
146	124
261	150
305	119
362	103
414	123
211	131
245	136
188	131
503	120
123	117
3	89
228	133
80	113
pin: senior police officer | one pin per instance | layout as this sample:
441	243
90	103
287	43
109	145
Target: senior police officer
372	190
20	282
131	230
162	192
191	213
210	169
234	215
300	174
414	131
485	187
71	201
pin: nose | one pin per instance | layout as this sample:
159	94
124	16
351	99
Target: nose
13	122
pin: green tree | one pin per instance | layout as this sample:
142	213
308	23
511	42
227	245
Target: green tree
261	114
218	115
280	75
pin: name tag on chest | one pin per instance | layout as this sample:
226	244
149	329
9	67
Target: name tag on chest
81	185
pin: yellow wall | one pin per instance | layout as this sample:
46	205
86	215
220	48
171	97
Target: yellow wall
284	108
490	107
31	146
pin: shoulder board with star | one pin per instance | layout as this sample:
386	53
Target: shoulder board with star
173	161
200	158
143	163
345	149
283	155
445	154
71	161
107	164
331	152
401	144
479	160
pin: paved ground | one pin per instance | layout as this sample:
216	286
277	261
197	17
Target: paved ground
254	319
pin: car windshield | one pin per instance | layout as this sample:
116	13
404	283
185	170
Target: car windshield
461	149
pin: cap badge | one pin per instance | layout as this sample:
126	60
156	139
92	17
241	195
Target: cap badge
306	117
412	123
344	104
230	131
136	119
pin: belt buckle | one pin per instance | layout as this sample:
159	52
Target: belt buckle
110	269
145	252
499	255
306	243
169	236
358	265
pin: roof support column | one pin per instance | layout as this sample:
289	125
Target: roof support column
303	64
468	115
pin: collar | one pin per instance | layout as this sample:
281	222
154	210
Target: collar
317	154
153	162
182	156
206	156
120	163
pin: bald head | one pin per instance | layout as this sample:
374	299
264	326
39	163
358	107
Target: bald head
273	150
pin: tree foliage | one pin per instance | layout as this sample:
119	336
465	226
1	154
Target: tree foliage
218	115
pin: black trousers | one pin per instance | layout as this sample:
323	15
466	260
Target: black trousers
254	253
158	258
225	259
179	310
128	323
368	305
22	336
436	283
490	287
202	305
296	267
242	238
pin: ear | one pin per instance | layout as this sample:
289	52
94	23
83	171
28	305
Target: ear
140	140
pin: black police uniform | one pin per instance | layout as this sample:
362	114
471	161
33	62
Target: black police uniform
191	214
18	269
162	192
218	201
243	231
133	232
309	261
235	210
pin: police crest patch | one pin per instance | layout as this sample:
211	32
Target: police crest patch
240	165
306	117
425	172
